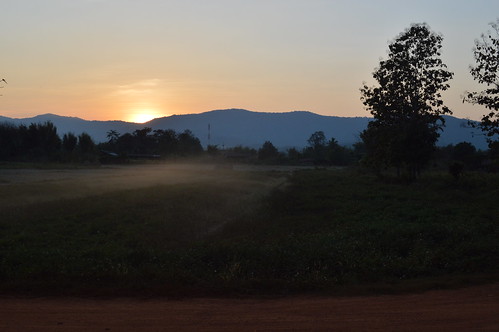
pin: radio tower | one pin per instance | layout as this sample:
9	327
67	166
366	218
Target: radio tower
209	134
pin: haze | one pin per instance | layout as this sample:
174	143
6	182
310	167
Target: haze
135	60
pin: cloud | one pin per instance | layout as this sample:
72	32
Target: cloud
140	88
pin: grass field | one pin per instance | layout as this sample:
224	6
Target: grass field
180	230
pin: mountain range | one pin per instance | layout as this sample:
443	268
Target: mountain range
233	127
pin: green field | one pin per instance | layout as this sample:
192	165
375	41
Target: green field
195	230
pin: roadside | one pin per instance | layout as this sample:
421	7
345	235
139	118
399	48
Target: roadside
468	309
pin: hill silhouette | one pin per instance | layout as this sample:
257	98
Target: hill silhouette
232	127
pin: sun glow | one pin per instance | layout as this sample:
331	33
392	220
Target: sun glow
143	116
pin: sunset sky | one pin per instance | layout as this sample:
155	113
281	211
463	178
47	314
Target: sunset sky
133	60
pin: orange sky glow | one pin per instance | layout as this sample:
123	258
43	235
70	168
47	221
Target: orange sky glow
138	60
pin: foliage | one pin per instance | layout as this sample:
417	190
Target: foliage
467	154
112	136
406	104
11	141
212	150
322	231
36	142
243	150
40	142
69	145
317	146
460	158
337	154
268	152
69	142
317	140
188	144
167	141
293	155
85	143
486	71
325	152
158	142
86	148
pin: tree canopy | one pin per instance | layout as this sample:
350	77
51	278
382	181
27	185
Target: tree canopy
486	71
268	152
407	102
146	141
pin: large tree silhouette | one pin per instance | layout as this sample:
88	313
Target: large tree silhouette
486	71
406	104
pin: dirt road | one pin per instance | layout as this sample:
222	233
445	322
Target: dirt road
469	309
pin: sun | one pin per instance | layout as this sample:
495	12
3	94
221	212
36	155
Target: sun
142	116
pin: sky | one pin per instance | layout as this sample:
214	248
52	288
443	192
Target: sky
134	60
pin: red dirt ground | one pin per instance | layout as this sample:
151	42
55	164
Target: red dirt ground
468	309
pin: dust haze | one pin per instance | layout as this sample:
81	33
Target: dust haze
22	187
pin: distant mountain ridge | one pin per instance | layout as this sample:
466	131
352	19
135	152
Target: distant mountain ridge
232	127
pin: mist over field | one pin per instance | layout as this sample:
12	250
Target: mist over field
31	186
201	228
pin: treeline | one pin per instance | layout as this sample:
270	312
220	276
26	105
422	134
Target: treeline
40	142
147	142
321	151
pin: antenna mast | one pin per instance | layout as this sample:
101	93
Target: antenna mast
209	134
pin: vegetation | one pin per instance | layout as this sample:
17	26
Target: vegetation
407	104
268	152
324	230
144	142
486	71
39	146
227	233
324	152
39	142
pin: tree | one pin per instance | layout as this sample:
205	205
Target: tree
268	152
188	143
69	151
336	154
69	142
317	146
294	155
144	141
317	140
213	150
167	141
86	148
113	136
466	154
40	141
10	141
486	71
406	105
85	143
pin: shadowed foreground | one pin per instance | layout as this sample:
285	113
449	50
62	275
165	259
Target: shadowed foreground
469	309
